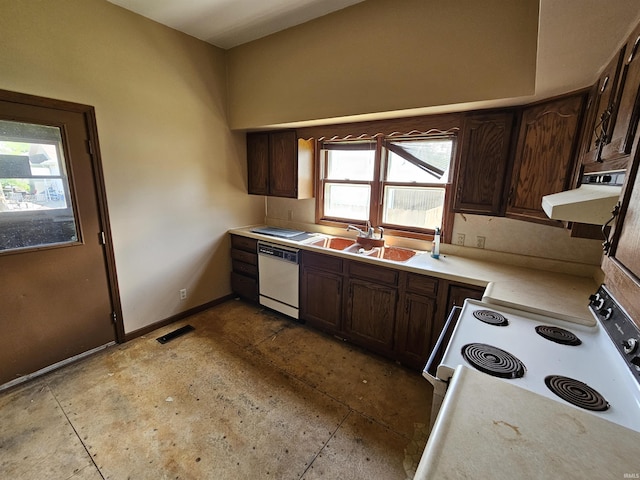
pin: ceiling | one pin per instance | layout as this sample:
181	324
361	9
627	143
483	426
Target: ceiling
576	37
228	23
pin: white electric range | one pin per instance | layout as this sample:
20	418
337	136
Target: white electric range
595	369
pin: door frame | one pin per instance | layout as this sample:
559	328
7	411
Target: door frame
93	148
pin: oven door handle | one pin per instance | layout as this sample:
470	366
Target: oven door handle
438	351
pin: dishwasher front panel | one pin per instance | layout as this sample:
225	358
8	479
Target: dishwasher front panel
278	280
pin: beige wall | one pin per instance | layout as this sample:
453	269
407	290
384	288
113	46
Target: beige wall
175	174
381	55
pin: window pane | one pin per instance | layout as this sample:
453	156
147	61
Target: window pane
347	201
433	152
35	208
413	206
350	165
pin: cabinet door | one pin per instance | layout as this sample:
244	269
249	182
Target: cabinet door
602	112
321	299
545	156
483	163
244	286
415	333
283	164
628	107
370	315
258	163
458	294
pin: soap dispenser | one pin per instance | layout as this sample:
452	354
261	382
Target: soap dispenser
435	247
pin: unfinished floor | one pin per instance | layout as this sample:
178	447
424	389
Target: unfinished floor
248	395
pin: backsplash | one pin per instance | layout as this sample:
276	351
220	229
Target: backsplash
499	235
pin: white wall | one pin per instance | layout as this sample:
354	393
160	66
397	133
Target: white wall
175	174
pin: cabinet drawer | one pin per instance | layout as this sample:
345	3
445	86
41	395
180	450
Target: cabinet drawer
244	286
422	284
244	243
373	273
327	263
246	257
244	268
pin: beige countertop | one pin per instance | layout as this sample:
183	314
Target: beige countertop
544	292
489	428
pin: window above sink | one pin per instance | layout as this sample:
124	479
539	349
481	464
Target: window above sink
399	182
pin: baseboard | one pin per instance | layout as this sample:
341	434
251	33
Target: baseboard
174	318
55	366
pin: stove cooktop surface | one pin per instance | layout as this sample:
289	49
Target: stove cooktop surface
567	362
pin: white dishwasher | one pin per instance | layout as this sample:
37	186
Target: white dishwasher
278	278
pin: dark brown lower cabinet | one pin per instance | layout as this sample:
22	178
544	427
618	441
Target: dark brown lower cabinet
244	264
321	297
370	315
394	313
416	330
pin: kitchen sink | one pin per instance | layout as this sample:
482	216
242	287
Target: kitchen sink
334	243
396	254
356	248
340	243
349	245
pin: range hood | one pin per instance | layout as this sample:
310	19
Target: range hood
591	203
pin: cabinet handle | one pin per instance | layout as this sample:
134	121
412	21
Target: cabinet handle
604	83
634	50
406	306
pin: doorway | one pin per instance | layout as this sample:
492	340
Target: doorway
58	287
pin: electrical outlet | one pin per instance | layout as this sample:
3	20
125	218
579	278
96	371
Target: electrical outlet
289	214
460	240
480	241
183	294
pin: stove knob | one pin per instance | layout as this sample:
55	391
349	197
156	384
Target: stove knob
636	361
630	345
607	313
597	302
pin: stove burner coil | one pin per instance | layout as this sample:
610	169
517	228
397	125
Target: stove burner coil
558	335
577	393
493	361
491	317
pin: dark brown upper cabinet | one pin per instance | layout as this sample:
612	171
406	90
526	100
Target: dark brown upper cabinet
601	115
624	129
484	157
545	156
279	164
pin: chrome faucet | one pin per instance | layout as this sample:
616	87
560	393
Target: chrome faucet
360	232
369	233
369	230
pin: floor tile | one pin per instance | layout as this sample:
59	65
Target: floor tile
369	384
173	415
360	450
248	394
36	440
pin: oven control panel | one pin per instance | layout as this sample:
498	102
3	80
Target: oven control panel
622	330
